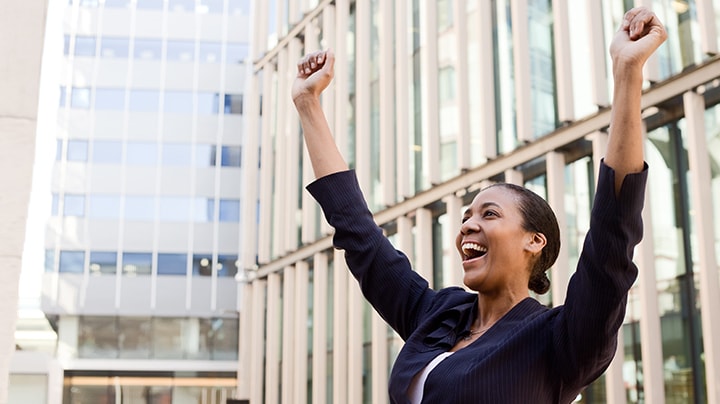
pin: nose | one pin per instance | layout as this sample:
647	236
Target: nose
469	226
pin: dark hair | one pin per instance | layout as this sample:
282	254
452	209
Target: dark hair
538	217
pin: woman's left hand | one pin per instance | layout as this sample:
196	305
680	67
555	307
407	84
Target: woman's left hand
640	34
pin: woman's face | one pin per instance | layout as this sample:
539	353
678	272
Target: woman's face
493	245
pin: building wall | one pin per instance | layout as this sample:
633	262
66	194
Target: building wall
432	99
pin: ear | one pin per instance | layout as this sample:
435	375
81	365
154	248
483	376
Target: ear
535	243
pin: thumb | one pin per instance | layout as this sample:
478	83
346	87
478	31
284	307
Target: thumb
329	62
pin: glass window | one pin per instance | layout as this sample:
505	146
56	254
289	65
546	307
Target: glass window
175	208
210	52
181	51
229	210
239	7
117	3
236	53
114	48
49	260
231	156
107	152
84	46
80	97
110	99
224	338
102	262
141	153
136	264
134	337
104	206
148	49
88	3
176	154
144	100
58	149
63	96
150	4
182	5
202	264
97	337
178	102
66	45
203	209
172	264
139	208
227	265
210	6
167	338
208	103
77	150
55	205
205	155
74	205
233	104
72	262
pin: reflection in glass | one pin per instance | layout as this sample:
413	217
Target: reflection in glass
77	150
208	103
203	209
180	51
144	100
117	3
231	156
202	264
204	155
139	208
148	49
84	46
107	152
171	264
167	338
72	262
80	98
233	104
55	205
176	154
227	265
236	53
97	337
49	260
136	264
114	48
178	102
103	262
134	337
141	154
181	5
150	4
229	210
175	208
210	6
74	205
109	99
210	52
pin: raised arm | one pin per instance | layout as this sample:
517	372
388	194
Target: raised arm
640	34
314	73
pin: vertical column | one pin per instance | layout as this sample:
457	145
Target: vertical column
614	383
429	92
362	95
251	149
244	341
488	129
309	207
354	342
556	198
258	332
260	29
708	26
340	328
463	97
265	228
453	206
563	61
402	90
651	70
514	177
521	67
379	359
272	342
405	237
330	106
423	222
387	103
290	183
288	327
342	11
320	304
701	199
280	192
598	61
301	332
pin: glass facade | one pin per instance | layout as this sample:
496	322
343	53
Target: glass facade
492	92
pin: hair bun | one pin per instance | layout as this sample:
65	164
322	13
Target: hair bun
539	283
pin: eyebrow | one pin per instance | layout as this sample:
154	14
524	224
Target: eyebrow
483	206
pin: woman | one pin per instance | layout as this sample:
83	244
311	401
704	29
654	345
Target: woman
499	345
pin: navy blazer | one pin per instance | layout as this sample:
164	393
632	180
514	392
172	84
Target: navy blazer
533	354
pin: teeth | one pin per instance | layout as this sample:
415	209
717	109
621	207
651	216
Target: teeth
474	247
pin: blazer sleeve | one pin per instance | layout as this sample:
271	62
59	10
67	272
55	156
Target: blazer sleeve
385	275
585	333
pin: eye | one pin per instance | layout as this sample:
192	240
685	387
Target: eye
489	213
465	219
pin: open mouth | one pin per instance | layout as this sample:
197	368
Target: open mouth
473	250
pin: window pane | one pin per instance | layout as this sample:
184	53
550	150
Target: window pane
144	100
110	99
77	150
182	5
141	154
66	45
229	210
231	156
147	49
137	264
55	205
172	264
80	98
233	104
150	4
74	205
58	150
134	337
49	260
103	263
167	338
236	53
72	261
210	52
107	152
181	51
117	3
114	48
210	6
202	264
239	7
204	155
84	46
203	210
97	337
104	206
139	208
175	208
176	154
178	102
208	103
224	340
63	97
227	265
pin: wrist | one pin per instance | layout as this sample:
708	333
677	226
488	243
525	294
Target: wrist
305	98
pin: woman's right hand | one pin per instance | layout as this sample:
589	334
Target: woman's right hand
314	73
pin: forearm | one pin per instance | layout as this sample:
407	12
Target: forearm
625	143
324	154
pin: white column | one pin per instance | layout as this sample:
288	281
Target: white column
598	61
388	116
521	67
556	198
280	193
342	11
403	57
333	111
258	332
309	206
272	341
488	128
405	237
250	150
563	61
340	328
708	26
320	304
354	342
245	342
379	359
429	90
292	161
362	96
514	177
702	205
651	71
301	331
453	206
265	229
260	29
288	328
424	246
463	98
614	383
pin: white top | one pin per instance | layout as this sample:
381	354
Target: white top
415	391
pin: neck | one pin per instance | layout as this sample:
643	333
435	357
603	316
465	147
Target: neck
493	307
